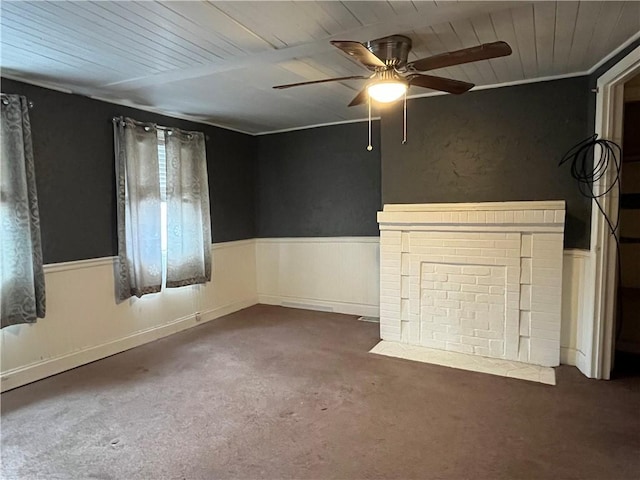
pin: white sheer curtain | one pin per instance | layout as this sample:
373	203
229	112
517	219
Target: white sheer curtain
139	219
188	219
22	296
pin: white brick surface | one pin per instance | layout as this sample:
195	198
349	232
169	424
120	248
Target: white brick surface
463	279
405	241
525	271
523	350
525	248
538	216
496	347
459	347
451	318
525	297
525	323
459	330
405	264
549	216
476	270
495	335
478	288
404	287
460	288
404	309
545	334
389	238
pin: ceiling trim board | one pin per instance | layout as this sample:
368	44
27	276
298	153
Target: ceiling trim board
165	113
36	83
613	53
123	103
506	84
318	125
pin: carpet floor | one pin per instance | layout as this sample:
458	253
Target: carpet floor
271	392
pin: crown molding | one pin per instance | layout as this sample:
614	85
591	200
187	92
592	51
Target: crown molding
318	125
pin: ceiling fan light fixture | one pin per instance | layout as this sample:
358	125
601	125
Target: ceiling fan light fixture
387	91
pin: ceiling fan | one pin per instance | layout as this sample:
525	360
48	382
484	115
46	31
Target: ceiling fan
392	75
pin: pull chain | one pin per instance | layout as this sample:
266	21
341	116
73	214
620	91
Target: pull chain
404	120
369	147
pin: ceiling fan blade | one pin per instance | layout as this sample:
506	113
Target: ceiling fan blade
466	55
360	98
359	52
439	83
337	79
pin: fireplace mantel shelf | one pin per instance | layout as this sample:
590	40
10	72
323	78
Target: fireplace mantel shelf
547	216
486	206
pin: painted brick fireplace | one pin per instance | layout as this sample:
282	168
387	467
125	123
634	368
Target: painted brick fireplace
475	278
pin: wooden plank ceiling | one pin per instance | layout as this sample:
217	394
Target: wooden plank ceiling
217	61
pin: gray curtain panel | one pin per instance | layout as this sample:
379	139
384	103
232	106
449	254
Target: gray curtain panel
22	295
139	218
188	219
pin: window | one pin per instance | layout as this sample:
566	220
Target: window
164	232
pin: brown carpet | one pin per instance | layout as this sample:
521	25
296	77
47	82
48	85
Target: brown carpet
271	392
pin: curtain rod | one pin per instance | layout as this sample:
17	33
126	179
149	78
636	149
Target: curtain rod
6	102
158	127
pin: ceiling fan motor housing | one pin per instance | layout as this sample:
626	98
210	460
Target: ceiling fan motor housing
393	50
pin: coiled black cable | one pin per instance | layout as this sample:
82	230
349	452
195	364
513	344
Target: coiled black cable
586	173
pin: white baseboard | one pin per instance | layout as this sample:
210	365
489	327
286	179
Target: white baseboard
321	305
582	362
52	366
568	356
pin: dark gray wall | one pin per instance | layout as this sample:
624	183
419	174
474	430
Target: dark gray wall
491	145
319	182
74	159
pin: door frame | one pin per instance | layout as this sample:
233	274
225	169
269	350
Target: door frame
599	334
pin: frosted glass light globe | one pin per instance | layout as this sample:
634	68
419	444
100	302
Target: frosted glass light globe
386	92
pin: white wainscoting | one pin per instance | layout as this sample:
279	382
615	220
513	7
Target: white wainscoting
84	323
338	274
341	274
